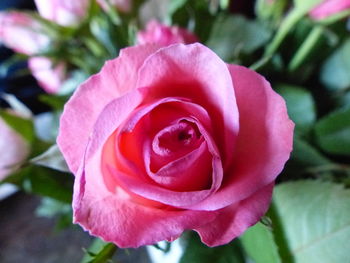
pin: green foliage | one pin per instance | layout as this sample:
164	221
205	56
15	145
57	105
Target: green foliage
335	71
232	35
259	244
22	126
99	252
314	216
52	158
333	132
301	106
197	252
43	181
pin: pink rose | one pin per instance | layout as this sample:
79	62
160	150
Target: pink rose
171	139
22	33
328	8
163	35
50	76
121	5
13	150
63	12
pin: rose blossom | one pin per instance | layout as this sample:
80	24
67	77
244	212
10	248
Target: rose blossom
164	140
13	149
163	35
121	5
328	8
50	76
63	12
22	33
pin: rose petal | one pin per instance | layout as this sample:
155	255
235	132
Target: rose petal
329	8
195	72
117	219
264	142
81	111
234	219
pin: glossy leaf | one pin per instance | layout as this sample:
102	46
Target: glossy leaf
335	71
52	158
333	132
301	106
315	217
197	252
259	244
232	35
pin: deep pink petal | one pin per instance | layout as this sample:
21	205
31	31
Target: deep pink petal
264	142
329	8
195	72
234	219
115	218
116	78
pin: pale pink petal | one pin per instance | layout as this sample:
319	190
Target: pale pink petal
328	8
81	112
50	76
115	218
63	12
20	32
264	142
157	33
13	149
234	219
196	73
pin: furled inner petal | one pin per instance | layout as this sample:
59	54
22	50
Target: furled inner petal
165	153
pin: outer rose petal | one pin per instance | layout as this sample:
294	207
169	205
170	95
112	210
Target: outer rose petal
22	33
63	12
117	219
328	8
234	219
195	72
157	33
13	149
264	141
80	113
49	76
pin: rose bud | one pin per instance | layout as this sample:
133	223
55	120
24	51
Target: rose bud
20	32
165	140
49	75
328	8
13	150
157	33
63	12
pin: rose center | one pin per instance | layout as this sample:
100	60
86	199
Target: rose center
180	136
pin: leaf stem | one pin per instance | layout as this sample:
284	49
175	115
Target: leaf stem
305	49
105	254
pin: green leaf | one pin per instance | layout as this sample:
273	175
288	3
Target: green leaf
232	35
175	5
315	217
301	106
52	158
333	132
335	71
197	252
306	155
22	126
17	105
306	5
259	244
99	252
56	102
